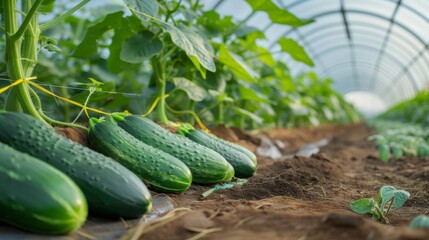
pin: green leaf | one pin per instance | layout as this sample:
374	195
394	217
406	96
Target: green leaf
193	91
140	47
141	8
420	221
389	192
124	28
193	44
265	56
362	206
237	65
248	114
214	25
295	51
89	45
46	6
276	14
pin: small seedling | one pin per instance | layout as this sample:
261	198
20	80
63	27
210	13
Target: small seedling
421	221
387	196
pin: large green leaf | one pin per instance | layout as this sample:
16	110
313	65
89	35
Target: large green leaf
143	8
237	65
389	192
140	47
89	45
124	28
363	205
295	50
276	14
191	89
194	45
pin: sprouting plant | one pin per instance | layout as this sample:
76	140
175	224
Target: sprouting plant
421	221
92	87
387	197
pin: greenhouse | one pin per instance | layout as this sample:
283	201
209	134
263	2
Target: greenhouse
214	119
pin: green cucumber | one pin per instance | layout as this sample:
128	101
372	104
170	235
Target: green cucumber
160	170
244	167
37	197
110	189
206	165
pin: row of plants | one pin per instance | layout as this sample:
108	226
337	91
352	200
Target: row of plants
402	129
414	110
195	62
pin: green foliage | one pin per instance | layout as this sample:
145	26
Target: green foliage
149	46
206	63
295	50
399	139
414	110
379	209
276	14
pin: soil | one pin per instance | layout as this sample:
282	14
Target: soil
304	197
298	197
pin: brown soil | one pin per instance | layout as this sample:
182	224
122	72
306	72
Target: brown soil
304	198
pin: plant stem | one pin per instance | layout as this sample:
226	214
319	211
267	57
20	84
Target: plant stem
220	118
192	105
58	19
14	64
158	68
388	208
31	13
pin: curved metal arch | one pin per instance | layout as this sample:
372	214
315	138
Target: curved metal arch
328	13
412	33
340	60
349	64
347	74
362	46
358	24
400	52
420	71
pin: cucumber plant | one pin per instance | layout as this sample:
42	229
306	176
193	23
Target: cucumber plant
23	43
379	209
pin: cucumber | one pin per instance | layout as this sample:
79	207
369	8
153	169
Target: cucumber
206	165
110	189
244	167
37	197
237	147
160	170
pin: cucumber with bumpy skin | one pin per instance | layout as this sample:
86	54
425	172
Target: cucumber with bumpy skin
110	189
37	197
206	165
160	170
244	167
